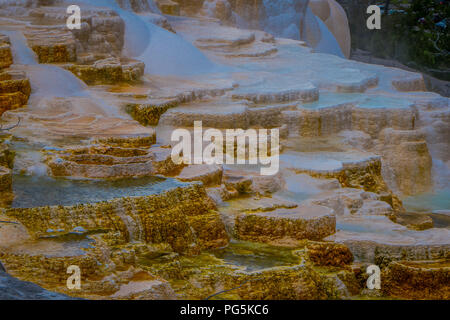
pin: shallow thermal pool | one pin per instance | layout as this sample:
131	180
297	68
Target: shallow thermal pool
55	247
45	191
428	202
435	204
369	101
254	256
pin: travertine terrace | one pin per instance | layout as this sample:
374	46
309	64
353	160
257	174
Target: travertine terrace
86	176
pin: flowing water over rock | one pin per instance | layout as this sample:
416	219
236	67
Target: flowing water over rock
158	48
47	80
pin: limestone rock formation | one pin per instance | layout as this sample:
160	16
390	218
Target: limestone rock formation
15	91
113	161
52	46
169	7
207	174
15	88
101	32
145	290
6	58
150	112
406	160
329	254
288	20
108	71
138	5
418	280
190	7
413	220
5	179
334	16
306	222
6	166
192	219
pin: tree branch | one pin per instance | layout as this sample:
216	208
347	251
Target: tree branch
8	222
440	51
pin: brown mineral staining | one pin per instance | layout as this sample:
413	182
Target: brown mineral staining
181	217
413	82
108	71
57	53
417	280
149	112
54	268
179	220
209	230
14	91
295	283
52	45
329	254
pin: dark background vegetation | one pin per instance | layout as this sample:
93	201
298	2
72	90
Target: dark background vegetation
415	33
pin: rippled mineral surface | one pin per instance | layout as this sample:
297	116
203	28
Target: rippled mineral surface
87	176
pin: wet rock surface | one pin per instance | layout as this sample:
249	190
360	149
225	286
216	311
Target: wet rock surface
418	280
15	88
14	289
6	58
310	222
329	254
108	71
104	161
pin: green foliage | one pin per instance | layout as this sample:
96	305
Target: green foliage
409	34
428	43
